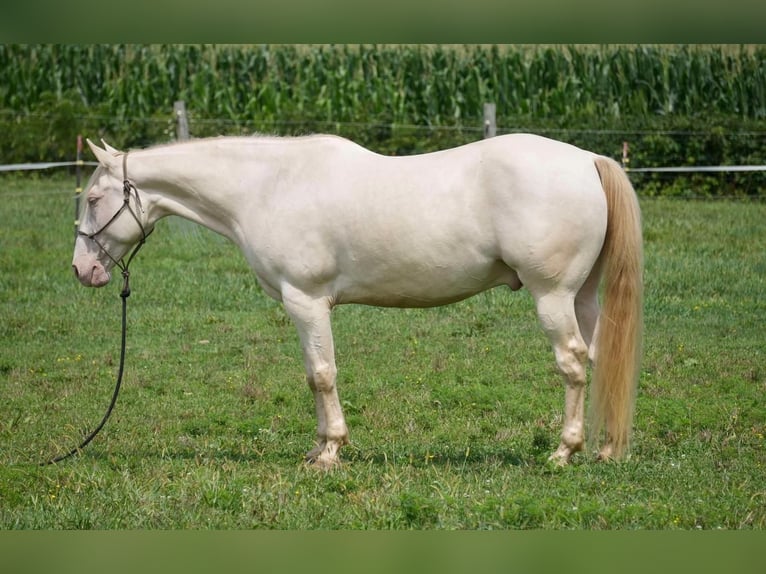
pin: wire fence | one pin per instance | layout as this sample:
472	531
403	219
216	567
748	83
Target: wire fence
476	132
44	165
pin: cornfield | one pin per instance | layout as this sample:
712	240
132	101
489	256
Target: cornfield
420	85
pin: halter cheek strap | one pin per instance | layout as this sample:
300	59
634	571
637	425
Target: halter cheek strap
127	186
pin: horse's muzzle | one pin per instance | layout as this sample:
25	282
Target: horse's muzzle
91	274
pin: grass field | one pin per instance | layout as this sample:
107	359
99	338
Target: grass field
452	411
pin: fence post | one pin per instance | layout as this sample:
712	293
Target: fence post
78	185
490	126
625	158
182	122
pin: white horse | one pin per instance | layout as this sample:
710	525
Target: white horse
323	221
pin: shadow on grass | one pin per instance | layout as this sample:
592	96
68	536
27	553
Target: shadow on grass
418	457
425	455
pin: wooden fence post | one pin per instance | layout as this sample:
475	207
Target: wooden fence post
625	157
182	122
490	125
78	185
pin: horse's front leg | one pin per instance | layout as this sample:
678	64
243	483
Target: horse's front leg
312	319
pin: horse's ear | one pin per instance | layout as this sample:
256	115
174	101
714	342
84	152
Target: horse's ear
109	148
104	157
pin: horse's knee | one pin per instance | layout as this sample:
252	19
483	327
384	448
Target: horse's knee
322	378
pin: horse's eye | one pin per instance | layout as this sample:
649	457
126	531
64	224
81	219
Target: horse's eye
93	198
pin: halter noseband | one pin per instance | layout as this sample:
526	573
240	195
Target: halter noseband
127	188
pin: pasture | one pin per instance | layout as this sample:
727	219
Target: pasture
452	411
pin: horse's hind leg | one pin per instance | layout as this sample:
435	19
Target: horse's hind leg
587	311
312	319
559	321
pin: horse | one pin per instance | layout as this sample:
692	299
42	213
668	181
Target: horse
323	221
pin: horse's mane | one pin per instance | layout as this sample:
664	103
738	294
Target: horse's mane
254	137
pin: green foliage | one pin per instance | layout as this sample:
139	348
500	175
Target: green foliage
680	105
452	411
422	85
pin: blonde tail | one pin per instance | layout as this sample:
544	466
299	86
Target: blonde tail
618	343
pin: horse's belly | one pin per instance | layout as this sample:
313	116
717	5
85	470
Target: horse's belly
425	287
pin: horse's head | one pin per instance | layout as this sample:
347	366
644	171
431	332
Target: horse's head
111	219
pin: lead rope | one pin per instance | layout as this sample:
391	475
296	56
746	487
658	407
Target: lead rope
124	295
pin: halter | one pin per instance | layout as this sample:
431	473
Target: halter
127	188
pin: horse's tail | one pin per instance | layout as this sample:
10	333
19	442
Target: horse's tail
618	341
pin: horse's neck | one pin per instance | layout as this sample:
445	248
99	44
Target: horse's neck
186	183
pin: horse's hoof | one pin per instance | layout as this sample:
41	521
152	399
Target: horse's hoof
563	454
558	460
322	463
605	454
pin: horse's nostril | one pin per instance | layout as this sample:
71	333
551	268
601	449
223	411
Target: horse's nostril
76	273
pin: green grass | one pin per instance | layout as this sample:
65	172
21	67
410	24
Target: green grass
452	411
